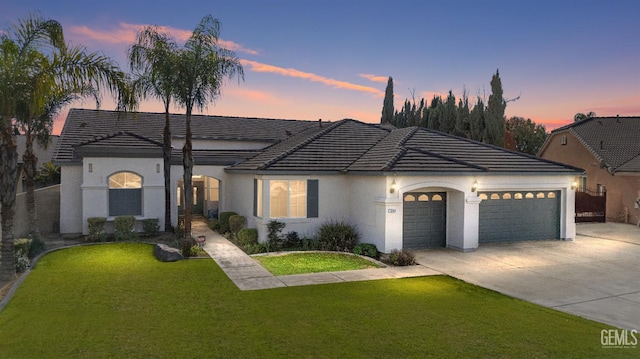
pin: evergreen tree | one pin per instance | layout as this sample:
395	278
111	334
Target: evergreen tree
476	121
462	117
387	105
448	115
435	111
495	123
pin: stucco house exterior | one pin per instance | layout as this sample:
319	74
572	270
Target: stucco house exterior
608	148
401	188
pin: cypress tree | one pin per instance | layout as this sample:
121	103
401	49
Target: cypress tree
476	121
387	105
495	122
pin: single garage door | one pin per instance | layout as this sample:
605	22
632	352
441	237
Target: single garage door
424	220
518	216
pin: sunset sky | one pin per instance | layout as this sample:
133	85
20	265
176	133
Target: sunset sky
331	59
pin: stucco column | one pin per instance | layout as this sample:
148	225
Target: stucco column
471	222
390	211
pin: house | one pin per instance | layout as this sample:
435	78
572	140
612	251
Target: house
608	148
401	188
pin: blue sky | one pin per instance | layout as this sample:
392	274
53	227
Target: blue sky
330	59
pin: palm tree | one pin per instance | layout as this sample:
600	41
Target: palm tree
39	74
583	116
152	58
202	67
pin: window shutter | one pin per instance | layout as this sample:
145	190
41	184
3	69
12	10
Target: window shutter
255	197
312	199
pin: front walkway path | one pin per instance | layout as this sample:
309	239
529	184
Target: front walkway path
247	274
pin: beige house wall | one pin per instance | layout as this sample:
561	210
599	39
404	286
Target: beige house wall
622	190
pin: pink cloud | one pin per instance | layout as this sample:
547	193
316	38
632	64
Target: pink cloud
126	33
290	72
375	78
254	95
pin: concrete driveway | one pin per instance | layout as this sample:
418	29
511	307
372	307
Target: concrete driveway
593	277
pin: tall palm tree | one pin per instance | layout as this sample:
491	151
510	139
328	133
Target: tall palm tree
39	74
152	59
202	67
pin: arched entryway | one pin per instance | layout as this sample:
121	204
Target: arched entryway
206	197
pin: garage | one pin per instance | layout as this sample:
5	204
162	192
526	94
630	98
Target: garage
424	220
519	216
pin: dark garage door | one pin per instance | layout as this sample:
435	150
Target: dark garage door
424	220
518	216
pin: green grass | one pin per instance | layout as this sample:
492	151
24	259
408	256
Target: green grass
312	262
117	301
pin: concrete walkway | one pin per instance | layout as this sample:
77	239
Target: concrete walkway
247	274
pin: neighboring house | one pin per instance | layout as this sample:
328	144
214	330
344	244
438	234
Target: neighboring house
608	148
44	155
401	188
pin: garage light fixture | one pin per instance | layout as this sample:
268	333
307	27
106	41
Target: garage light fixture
574	185
474	186
393	187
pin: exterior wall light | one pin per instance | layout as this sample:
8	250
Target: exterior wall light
393	187
574	185
474	186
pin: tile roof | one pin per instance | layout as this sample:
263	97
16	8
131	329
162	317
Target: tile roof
298	146
613	140
84	125
352	146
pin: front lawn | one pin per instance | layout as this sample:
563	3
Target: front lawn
312	262
117	301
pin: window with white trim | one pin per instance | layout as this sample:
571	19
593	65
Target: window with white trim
287	198
125	194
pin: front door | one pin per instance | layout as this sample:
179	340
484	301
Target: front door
198	198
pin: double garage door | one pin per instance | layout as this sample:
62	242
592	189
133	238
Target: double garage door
519	215
504	216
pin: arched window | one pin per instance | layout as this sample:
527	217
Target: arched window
436	197
125	194
495	196
518	195
506	196
483	196
409	198
551	195
529	195
540	195
423	198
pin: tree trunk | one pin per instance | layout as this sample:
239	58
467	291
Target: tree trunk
187	162
166	154
8	184
30	163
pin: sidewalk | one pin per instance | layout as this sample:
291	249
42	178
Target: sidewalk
248	274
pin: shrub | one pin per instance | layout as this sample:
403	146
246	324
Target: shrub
274	229
22	245
337	236
196	250
22	261
401	258
247	236
224	221
309	244
292	240
96	229
150	227
255	248
37	246
123	228
236	223
186	246
214	225
366	249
